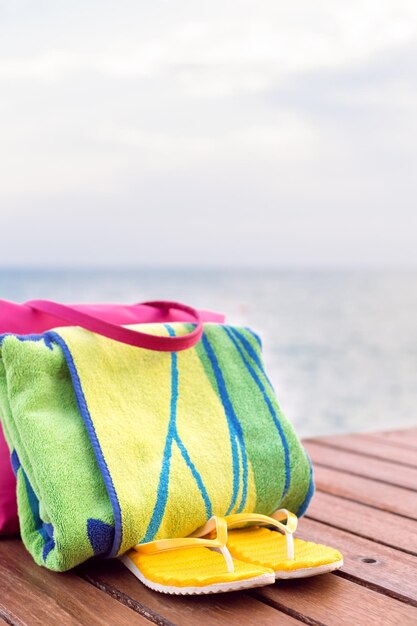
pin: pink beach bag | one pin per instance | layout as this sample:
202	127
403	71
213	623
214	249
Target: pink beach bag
37	316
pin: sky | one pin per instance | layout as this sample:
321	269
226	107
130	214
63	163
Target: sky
267	133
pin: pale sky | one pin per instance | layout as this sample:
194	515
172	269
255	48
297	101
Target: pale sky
208	133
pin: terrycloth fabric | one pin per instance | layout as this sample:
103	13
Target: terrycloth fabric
115	445
23	318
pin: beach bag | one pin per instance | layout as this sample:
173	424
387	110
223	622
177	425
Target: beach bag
115	444
38	316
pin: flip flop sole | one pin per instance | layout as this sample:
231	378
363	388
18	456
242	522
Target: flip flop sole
267	548
308	572
222	587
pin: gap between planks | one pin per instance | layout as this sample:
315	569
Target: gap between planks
388	472
231	608
406	438
385	578
364	521
383	568
367	491
333	600
31	594
366	445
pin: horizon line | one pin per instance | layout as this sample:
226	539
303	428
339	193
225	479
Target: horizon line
206	268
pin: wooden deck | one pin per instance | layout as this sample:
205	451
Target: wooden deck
365	505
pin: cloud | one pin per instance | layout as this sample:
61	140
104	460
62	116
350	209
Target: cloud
245	50
291	124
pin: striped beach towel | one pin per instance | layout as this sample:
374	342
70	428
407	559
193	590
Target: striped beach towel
115	445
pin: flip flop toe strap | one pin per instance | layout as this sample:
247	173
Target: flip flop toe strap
197	539
275	521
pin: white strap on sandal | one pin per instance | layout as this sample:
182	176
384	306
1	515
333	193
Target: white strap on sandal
196	539
275	521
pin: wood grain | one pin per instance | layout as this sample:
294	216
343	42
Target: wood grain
383	567
380	526
404	437
370	447
368	491
233	609
334	601
32	595
360	465
365	505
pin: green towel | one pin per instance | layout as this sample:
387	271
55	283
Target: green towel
115	445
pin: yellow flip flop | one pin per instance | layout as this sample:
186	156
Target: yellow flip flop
195	565
261	544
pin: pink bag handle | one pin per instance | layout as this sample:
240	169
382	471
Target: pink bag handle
122	334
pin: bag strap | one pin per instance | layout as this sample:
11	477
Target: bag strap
122	334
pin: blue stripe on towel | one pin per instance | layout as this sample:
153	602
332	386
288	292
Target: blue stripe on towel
162	493
235	429
15	461
310	492
255	336
85	414
46	337
196	474
46	531
100	535
252	353
270	408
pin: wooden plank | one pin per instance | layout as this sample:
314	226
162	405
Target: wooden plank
367	495
367	445
233	609
368	491
386	569
404	437
364	521
360	465
33	595
335	601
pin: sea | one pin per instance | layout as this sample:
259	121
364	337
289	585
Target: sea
340	347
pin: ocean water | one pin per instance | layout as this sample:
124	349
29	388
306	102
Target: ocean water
340	347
